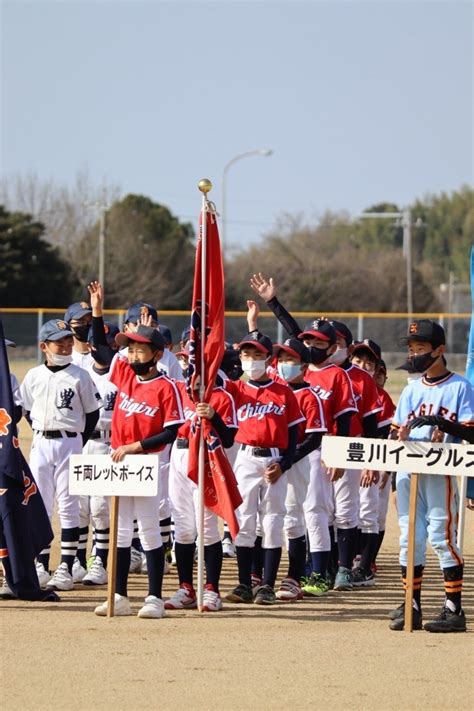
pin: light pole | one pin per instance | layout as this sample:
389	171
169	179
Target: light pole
103	208
405	217
247	154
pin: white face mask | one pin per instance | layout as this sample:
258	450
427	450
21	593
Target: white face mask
56	359
338	357
254	369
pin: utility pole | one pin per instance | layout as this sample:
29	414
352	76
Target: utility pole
103	207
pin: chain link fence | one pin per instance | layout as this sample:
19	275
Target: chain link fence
23	325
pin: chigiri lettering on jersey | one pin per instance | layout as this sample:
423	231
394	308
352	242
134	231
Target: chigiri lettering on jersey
259	410
132	407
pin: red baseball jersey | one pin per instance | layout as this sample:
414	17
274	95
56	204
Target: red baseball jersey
264	413
221	400
385	416
142	407
366	398
312	410
333	386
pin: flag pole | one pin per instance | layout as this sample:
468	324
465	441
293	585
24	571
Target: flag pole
204	186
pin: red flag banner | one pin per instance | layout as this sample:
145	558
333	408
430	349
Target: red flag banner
221	493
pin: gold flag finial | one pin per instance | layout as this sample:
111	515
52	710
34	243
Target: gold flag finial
205	185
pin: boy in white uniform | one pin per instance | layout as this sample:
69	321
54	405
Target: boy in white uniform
62	405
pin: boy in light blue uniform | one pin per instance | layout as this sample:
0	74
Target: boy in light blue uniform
438	393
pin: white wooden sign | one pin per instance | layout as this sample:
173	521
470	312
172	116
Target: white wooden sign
393	456
98	475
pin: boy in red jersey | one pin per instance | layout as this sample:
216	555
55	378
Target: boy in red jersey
268	415
146	418
184	498
334	388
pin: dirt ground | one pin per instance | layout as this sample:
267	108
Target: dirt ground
335	651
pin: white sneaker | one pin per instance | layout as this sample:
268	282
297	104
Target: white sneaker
97	574
153	608
144	566
183	599
43	576
62	579
228	548
136	560
211	601
78	571
121	607
6	592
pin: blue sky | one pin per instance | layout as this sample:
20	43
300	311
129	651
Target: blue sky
360	101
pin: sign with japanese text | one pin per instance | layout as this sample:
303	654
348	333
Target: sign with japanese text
394	456
98	475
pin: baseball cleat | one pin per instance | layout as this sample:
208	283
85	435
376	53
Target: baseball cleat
399	611
121	607
314	586
152	609
343	579
211	600
78	571
62	579
241	593
256	582
97	574
398	623
183	599
135	561
265	596
228	548
447	621
43	576
361	579
6	593
290	591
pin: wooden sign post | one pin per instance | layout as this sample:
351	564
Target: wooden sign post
98	475
435	458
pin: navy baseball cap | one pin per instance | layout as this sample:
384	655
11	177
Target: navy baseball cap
111	330
259	341
136	311
367	345
342	331
77	311
166	333
425	330
54	330
320	328
143	334
293	347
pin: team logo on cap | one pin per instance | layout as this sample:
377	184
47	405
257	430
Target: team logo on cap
61	324
287	342
84	305
255	336
5	420
144	311
413	327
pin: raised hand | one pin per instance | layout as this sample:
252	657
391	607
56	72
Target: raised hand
96	293
145	320
252	315
264	287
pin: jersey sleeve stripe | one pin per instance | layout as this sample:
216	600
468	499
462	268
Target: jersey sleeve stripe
296	422
372	412
341	412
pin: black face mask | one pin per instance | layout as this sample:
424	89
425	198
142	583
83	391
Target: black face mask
143	368
81	333
419	363
317	355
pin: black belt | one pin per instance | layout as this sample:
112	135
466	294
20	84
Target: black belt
100	434
55	434
261	451
182	443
